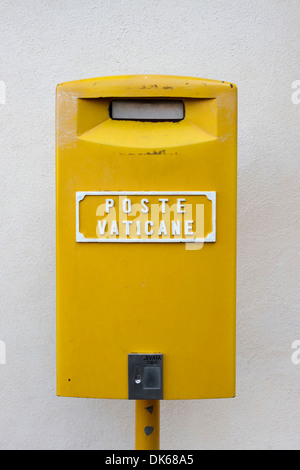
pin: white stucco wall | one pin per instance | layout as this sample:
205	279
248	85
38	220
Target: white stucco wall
253	44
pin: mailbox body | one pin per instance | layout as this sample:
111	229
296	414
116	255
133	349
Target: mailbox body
169	297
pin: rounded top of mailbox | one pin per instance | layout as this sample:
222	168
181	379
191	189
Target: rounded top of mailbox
147	85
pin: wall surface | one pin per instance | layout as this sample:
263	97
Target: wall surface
254	44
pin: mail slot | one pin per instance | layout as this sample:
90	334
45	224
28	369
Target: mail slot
146	237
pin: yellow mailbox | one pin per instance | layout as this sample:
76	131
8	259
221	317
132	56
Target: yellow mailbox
146	237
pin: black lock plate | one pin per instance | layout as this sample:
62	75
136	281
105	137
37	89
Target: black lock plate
145	376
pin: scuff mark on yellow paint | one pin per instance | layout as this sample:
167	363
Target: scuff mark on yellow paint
67	118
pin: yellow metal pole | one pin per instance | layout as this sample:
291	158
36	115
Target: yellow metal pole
147	421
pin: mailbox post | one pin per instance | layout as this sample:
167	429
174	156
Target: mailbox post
146	240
